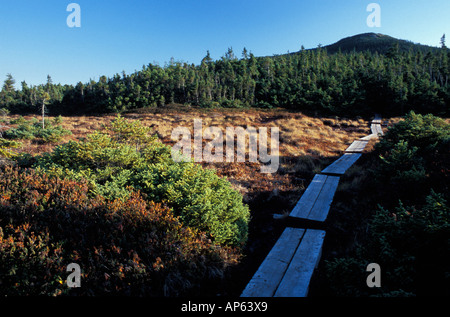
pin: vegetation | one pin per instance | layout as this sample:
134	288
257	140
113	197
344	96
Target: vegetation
391	82
264	194
131	247
124	156
6	146
408	232
377	43
115	203
50	132
139	223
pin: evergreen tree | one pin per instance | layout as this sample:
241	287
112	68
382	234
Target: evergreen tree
9	83
354	83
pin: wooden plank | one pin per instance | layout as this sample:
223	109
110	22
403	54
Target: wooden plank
296	281
340	166
376	129
369	137
373	128
357	146
323	203
309	197
269	275
316	201
379	129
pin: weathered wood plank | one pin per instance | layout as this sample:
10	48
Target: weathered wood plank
316	201
298	275
369	137
269	275
357	146
373	128
323	203
379	129
376	129
340	166
309	197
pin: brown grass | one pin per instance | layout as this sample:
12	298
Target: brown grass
307	145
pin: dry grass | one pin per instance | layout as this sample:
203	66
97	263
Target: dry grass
306	146
306	143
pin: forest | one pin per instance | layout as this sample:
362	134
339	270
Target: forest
358	82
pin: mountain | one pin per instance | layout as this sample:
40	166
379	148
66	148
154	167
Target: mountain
375	42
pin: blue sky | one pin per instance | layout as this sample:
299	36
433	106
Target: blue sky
118	36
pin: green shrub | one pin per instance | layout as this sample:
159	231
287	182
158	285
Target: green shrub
415	154
199	197
19	120
32	129
124	247
410	244
57	120
424	140
425	132
6	147
125	156
408	232
346	276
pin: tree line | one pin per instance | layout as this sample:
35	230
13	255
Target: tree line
312	81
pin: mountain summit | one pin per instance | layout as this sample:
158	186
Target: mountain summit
374	42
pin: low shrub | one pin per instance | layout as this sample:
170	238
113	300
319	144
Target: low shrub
125	156
32	129
409	244
415	154
408	232
124	247
7	146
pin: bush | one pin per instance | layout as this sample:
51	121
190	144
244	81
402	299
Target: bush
409	244
125	156
124	247
226	103
29	263
6	147
409	237
19	120
32	129
415	154
201	199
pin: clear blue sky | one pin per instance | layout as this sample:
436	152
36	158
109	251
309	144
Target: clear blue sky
118	36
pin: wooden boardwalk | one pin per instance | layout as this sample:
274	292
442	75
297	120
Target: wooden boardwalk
316	200
376	129
357	147
340	166
288	268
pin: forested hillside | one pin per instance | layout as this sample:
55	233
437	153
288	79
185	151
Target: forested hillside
376	42
391	81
